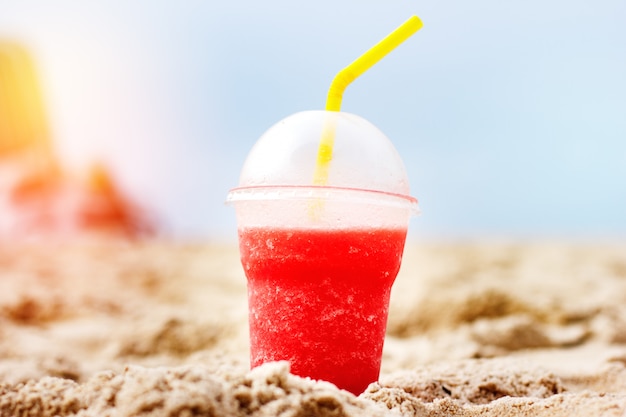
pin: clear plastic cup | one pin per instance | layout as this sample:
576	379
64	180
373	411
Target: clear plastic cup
321	260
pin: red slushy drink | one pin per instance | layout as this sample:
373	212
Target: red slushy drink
319	298
320	260
323	207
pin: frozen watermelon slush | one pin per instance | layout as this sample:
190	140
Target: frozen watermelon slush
320	260
319	299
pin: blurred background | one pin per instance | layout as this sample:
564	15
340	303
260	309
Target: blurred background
510	116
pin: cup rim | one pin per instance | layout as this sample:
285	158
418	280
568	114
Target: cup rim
308	192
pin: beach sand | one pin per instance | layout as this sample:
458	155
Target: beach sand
115	328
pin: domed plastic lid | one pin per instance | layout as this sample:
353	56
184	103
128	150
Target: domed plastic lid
285	157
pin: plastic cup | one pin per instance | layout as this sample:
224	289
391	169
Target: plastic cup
320	261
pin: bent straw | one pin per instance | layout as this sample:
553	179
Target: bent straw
344	78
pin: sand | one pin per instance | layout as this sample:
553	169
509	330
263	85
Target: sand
115	328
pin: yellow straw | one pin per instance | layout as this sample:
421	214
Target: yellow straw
368	59
344	78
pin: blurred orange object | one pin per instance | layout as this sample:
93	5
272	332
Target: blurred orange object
37	197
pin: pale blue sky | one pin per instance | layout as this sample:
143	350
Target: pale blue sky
510	116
